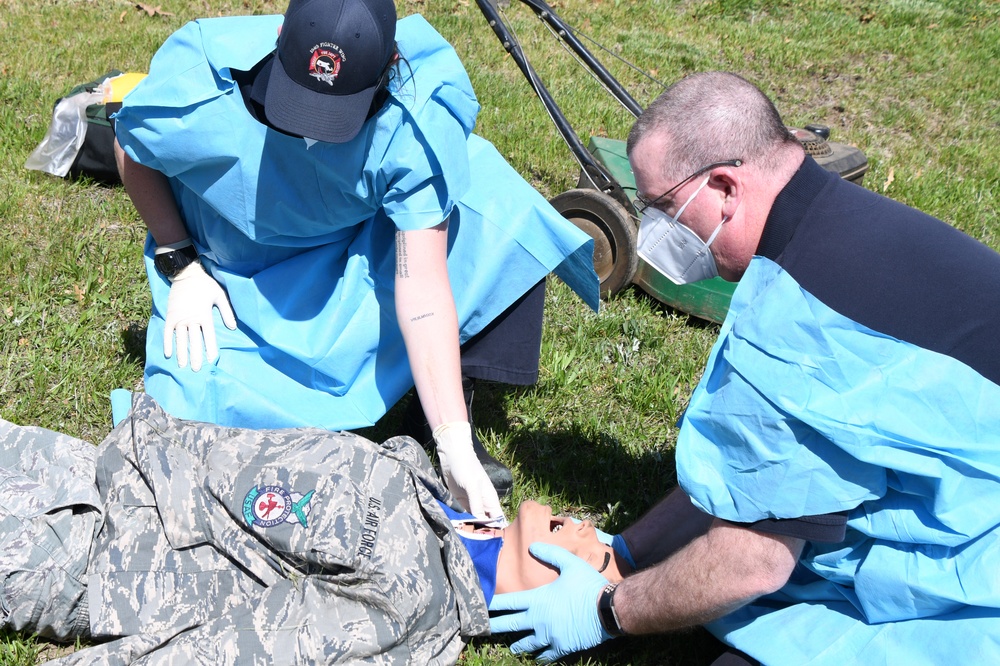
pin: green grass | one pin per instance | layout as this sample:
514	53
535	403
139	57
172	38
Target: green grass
913	83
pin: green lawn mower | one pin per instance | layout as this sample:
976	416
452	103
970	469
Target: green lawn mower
602	204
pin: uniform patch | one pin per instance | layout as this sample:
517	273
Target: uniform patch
324	64
267	506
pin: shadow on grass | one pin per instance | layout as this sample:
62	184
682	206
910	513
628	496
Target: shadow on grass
591	468
695	647
133	338
586	468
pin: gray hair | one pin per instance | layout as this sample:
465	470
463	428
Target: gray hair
712	117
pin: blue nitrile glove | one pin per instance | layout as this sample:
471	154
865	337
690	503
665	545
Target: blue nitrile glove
616	542
562	615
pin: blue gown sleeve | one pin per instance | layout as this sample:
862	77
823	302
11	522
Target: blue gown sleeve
426	166
802	411
181	79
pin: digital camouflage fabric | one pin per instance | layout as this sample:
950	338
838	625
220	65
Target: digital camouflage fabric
208	544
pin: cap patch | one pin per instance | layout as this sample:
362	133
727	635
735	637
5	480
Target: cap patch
268	506
324	64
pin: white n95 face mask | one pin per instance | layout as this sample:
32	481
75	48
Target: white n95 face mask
673	249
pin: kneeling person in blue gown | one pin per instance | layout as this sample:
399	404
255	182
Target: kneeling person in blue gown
327	232
838	463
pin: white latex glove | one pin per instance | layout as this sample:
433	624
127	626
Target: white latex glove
463	473
193	294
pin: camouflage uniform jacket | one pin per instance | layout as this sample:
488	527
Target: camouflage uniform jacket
218	545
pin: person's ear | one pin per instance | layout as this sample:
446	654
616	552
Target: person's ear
728	183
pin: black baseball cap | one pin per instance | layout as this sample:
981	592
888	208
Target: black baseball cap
327	67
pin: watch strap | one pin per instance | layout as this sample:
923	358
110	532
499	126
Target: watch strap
173	261
606	611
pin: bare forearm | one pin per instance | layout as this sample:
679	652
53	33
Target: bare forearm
715	574
425	310
151	195
432	346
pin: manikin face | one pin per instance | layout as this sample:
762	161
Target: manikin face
518	570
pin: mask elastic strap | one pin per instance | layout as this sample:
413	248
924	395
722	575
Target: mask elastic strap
711	239
677	215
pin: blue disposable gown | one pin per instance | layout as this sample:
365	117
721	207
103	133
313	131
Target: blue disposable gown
301	234
801	412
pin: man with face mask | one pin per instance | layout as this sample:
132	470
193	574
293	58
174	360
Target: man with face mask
838	465
669	246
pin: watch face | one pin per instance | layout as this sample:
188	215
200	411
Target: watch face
165	264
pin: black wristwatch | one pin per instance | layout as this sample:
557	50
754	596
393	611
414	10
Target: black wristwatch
173	262
606	611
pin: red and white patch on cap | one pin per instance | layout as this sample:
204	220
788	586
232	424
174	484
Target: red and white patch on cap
324	64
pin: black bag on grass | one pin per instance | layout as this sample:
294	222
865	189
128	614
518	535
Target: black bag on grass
84	111
96	158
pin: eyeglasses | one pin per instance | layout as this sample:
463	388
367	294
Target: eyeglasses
642	203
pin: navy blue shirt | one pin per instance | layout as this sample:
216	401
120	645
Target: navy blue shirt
887	266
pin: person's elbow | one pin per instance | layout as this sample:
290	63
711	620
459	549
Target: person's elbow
776	570
777	556
766	561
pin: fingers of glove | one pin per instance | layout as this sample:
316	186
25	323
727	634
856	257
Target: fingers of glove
483	498
466	479
514	601
550	655
226	310
465	484
510	622
168	339
182	345
530	643
461	496
474	503
491	502
211	346
455	488
558	557
195	345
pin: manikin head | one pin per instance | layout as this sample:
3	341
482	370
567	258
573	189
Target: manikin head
516	569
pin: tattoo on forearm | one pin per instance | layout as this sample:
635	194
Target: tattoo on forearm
423	316
401	266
